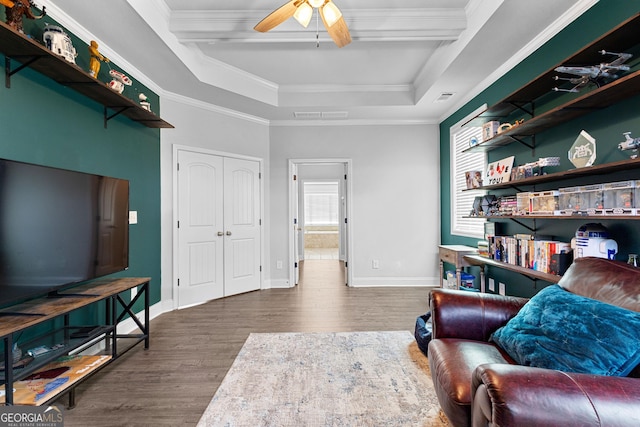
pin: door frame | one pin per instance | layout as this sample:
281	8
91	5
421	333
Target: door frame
293	205
174	216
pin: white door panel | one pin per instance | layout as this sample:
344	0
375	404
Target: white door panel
200	219
242	226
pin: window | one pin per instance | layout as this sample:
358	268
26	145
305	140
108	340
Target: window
461	162
321	203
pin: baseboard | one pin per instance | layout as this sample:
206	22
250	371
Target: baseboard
428	282
277	284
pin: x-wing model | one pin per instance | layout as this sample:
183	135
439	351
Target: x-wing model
630	144
595	74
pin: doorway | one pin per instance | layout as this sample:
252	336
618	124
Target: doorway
319	203
319	220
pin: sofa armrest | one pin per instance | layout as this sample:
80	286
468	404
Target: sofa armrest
512	395
470	315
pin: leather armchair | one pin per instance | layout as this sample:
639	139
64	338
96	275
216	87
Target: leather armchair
478	384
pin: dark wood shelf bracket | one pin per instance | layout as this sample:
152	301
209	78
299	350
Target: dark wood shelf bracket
118	110
7	68
521	107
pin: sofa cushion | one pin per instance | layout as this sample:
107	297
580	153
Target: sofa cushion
560	330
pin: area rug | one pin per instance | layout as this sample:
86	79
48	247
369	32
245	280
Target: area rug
327	379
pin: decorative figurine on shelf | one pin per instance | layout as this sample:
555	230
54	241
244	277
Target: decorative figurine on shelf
96	57
583	150
118	81
630	144
19	9
596	74
59	42
143	102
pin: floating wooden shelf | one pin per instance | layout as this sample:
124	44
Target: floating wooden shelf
621	38
603	169
29	53
481	261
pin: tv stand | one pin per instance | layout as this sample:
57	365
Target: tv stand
66	344
57	294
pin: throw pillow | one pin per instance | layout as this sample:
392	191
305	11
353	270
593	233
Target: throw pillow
560	330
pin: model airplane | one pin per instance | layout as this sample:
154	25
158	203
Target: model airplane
630	144
595	74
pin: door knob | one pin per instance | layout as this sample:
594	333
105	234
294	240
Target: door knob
228	233
220	233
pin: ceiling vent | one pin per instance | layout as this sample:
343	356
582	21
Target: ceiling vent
308	115
325	115
444	96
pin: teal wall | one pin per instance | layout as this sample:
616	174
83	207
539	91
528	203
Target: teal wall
606	126
49	124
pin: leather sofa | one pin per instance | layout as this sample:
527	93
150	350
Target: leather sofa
479	384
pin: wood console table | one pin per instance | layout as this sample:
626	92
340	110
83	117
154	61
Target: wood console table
69	338
454	254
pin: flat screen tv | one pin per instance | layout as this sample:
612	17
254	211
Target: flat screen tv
58	228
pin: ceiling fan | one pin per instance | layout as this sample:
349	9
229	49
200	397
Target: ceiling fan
302	11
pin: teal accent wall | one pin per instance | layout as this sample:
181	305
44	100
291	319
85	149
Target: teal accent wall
49	124
605	125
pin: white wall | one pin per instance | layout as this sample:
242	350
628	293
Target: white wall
395	197
199	126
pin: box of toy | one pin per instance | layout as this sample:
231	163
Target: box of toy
490	129
595	196
619	198
581	200
523	203
544	202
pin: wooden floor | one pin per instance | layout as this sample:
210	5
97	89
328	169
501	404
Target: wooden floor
191	350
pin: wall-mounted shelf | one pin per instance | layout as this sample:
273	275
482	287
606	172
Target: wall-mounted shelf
621	38
603	169
482	261
17	47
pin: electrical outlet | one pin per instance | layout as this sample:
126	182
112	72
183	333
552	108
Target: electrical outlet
502	289
492	285
279	264
133	217
375	263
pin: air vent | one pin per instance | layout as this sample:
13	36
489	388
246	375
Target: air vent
444	96
308	115
325	115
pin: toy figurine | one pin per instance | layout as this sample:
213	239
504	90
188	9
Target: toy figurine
143	102
19	9
96	57
631	144
118	81
59	42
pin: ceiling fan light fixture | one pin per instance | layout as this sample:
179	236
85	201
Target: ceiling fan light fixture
303	14
316	3
331	13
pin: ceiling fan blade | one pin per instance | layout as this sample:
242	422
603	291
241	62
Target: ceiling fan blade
278	16
338	31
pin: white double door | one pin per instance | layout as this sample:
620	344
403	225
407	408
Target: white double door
218	208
